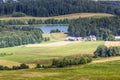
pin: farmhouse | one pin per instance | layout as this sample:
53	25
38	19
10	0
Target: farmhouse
69	38
92	38
117	38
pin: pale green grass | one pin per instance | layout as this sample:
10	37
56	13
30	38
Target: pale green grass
32	54
56	36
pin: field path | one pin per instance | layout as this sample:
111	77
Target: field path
55	44
106	60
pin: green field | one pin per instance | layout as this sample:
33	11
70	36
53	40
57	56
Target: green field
24	54
96	70
101	71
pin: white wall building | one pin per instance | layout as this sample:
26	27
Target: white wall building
117	37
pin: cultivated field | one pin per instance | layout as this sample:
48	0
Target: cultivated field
112	43
68	16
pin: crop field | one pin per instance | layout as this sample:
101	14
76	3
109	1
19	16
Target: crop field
68	16
23	54
112	43
98	71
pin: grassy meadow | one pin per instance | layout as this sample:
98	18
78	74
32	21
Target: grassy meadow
25	54
56	36
100	71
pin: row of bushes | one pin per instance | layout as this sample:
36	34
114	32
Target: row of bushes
5	54
22	66
103	51
69	62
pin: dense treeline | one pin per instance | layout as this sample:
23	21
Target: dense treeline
33	22
57	7
103	28
103	51
14	36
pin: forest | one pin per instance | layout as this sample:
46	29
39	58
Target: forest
14	36
103	28
58	7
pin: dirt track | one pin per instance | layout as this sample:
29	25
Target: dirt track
107	60
55	44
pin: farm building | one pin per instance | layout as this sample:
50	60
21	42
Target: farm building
117	38
92	38
73	38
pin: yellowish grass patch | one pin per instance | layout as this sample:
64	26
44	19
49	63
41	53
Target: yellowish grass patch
9	63
112	43
68	16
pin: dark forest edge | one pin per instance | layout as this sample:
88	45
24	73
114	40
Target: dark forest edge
46	8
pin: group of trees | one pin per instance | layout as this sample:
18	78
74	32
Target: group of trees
57	7
103	51
14	36
69	62
104	28
55	31
22	66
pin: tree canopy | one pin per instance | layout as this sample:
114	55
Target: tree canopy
58	7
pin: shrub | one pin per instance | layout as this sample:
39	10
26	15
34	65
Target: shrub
103	51
24	66
38	66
